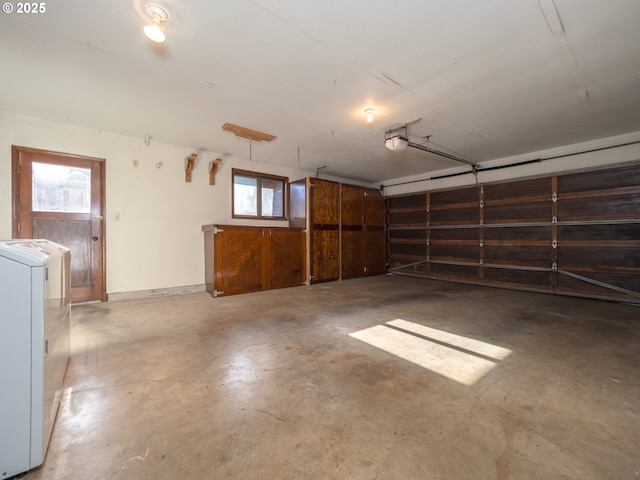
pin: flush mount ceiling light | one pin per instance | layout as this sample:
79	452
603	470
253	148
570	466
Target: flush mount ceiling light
158	16
369	113
396	142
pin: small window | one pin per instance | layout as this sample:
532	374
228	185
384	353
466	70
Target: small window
257	195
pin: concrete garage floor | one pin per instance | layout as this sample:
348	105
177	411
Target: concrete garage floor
272	386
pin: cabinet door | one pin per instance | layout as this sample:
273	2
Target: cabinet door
374	208
325	236
375	250
298	204
325	258
352	231
239	260
325	202
375	236
286	258
353	252
352	205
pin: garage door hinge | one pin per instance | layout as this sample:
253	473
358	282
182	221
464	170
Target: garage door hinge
19	226
217	230
554	266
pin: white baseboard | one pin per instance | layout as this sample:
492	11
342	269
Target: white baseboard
156	292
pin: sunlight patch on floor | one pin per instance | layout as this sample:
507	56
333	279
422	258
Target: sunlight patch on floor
462	359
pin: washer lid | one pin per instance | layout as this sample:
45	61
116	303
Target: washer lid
33	253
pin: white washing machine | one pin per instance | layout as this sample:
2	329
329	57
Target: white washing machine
34	348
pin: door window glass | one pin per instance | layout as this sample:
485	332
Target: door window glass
59	188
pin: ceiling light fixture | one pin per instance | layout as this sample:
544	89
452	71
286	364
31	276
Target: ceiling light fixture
369	113
396	142
158	16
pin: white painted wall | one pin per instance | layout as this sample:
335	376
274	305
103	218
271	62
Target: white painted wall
606	156
158	242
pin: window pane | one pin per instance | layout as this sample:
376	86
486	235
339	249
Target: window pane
58	188
245	195
272	198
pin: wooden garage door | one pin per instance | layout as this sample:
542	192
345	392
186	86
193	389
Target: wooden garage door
576	233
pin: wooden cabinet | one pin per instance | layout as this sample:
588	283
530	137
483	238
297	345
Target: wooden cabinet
345	228
324	200
363	232
241	259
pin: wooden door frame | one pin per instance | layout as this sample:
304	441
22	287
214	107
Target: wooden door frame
15	198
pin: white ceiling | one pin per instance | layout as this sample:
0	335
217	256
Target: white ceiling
488	79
